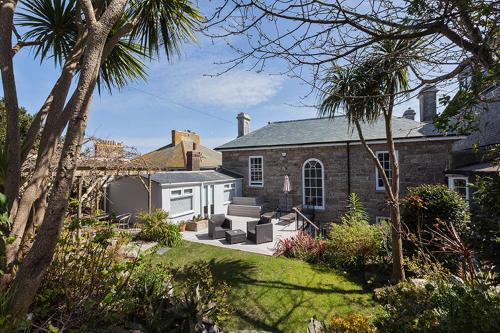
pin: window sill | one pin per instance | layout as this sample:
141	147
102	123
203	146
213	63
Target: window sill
322	208
256	186
182	214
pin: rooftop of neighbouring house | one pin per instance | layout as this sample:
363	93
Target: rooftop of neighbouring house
328	130
179	177
174	155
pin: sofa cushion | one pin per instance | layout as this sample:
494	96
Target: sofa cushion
220	229
225	224
218	218
264	220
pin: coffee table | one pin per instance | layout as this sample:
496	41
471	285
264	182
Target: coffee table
236	236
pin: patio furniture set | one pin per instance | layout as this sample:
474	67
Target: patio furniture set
258	231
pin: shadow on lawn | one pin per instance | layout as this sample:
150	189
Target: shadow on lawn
274	302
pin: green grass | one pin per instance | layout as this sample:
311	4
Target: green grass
275	294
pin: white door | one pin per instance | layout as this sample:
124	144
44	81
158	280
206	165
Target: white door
208	200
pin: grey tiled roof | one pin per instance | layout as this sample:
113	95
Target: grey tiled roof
324	130
177	177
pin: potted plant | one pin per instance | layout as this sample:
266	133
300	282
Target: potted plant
182	225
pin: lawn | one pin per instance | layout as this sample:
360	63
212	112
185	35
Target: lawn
275	294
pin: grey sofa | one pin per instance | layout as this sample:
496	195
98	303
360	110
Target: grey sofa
260	231
218	224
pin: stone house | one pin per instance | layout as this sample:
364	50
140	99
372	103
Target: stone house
325	160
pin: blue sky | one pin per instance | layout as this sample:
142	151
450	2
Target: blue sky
180	95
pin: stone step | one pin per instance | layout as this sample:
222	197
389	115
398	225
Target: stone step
244	210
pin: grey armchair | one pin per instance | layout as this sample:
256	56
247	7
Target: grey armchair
218	224
260	231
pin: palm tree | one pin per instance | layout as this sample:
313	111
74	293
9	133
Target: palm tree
96	43
366	92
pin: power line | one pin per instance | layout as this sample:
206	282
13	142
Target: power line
183	106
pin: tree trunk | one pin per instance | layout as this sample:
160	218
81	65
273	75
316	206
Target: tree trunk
48	143
13	178
34	265
397	245
398	273
36	262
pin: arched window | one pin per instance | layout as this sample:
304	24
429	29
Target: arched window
313	184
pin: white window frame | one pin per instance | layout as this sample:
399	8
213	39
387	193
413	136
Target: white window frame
322	184
255	183
451	184
180	196
382	188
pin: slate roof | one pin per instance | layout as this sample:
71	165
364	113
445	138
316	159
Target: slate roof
327	130
172	157
178	177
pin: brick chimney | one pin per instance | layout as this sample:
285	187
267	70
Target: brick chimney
427	98
193	160
178	136
409	114
243	124
108	149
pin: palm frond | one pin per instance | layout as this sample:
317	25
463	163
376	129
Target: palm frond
163	24
364	89
123	65
52	23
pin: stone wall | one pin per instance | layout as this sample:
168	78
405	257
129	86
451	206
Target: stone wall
420	162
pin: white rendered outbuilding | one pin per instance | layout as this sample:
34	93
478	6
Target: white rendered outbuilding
183	194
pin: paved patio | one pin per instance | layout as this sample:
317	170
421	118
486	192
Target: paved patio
280	230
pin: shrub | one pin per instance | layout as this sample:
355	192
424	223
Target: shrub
185	300
157	228
485	233
301	246
198	284
428	204
354	242
429	209
440	305
89	286
351	323
85	271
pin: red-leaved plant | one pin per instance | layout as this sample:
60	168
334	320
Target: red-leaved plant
301	246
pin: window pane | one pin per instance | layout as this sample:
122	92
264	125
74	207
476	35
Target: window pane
181	205
313	184
176	192
255	171
188	191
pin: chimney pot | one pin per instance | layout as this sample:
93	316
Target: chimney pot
409	114
427	98
243	124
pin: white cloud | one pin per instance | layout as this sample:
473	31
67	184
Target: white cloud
237	89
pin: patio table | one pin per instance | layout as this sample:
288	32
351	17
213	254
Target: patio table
236	236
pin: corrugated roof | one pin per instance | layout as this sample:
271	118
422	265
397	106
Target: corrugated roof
327	130
177	177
